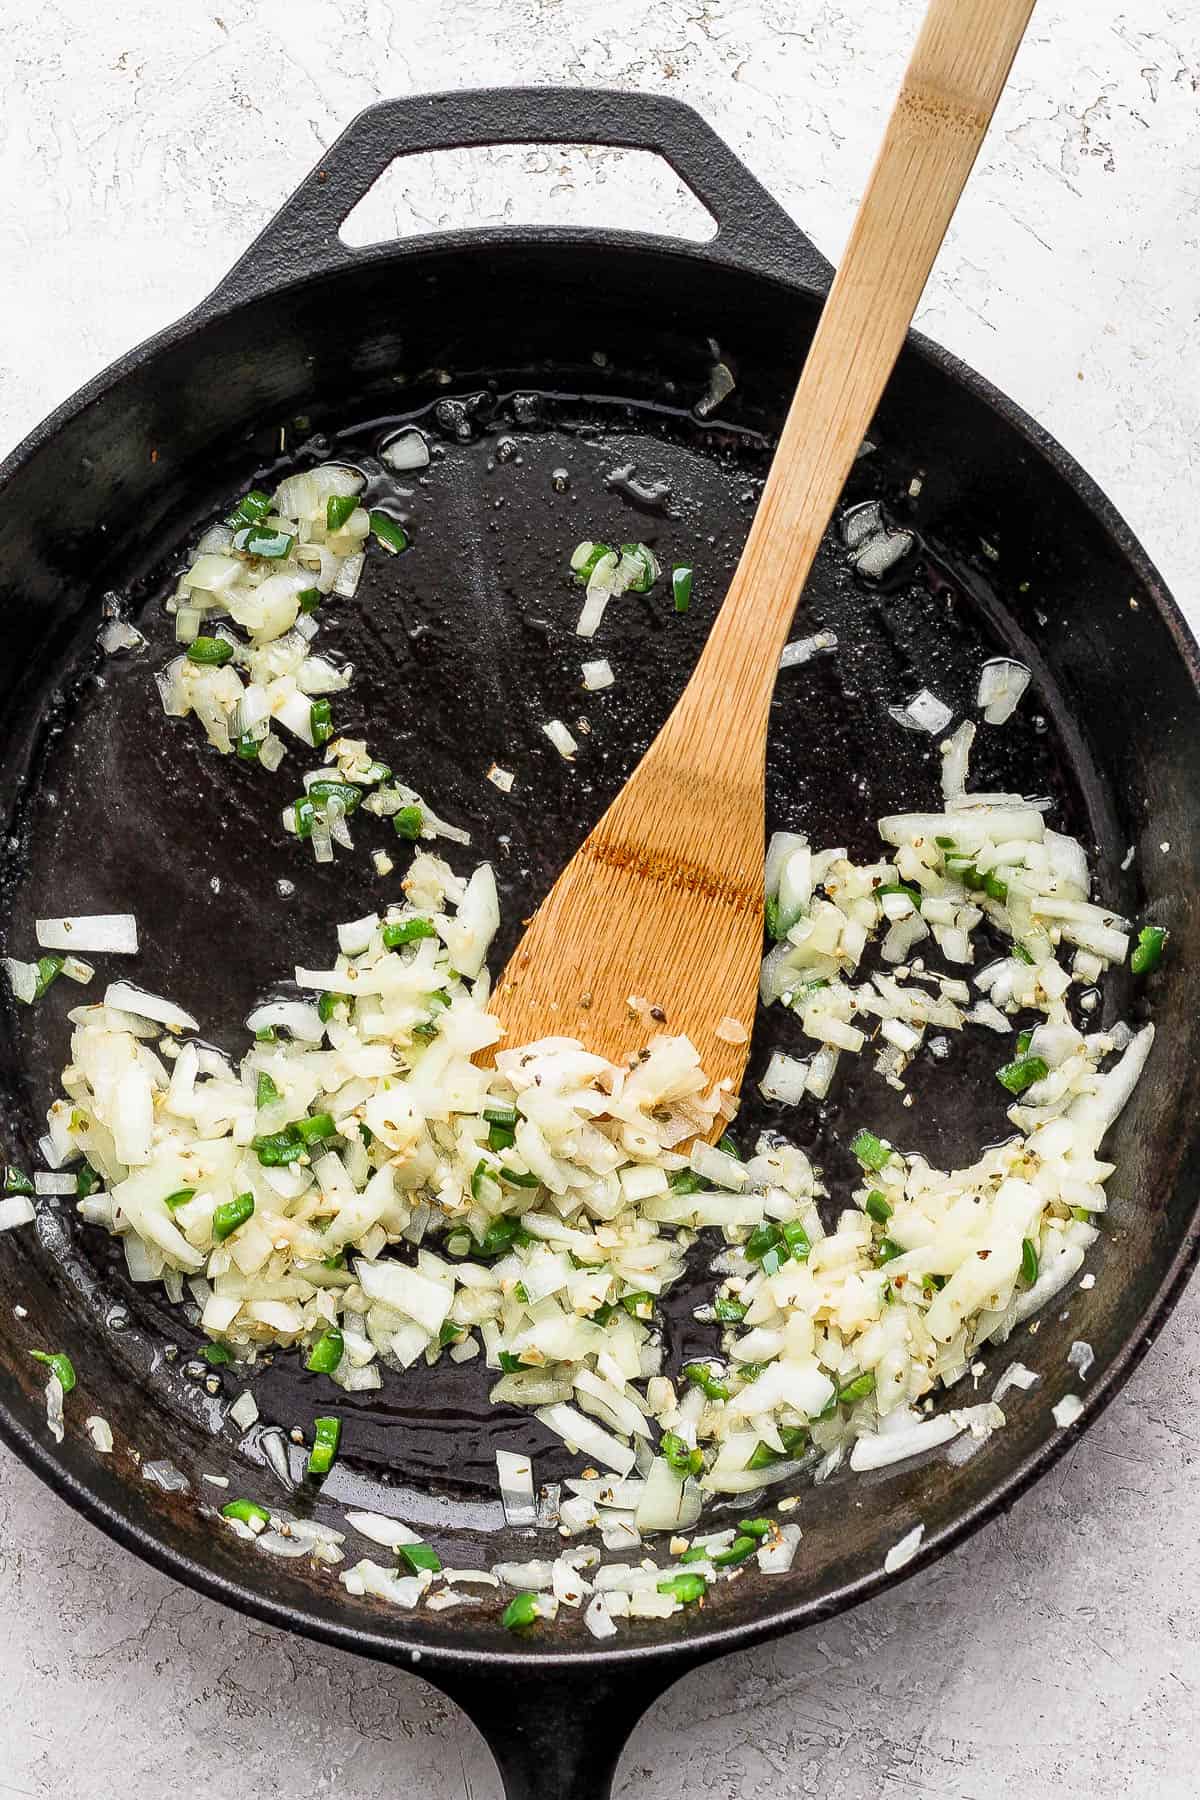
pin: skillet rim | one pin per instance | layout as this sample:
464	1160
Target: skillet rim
434	1658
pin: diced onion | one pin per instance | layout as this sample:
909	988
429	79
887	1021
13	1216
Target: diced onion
902	1552
53	1184
407	450
515	1474
113	932
1001	685
561	738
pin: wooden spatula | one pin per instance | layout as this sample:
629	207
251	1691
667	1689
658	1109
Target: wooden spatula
664	900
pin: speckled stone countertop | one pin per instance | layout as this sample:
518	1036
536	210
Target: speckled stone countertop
141	147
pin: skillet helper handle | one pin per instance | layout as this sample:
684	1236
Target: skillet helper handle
752	228
557	1733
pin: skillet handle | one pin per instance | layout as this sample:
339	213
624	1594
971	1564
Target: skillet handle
557	1732
753	231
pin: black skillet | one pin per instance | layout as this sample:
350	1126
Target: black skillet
576	351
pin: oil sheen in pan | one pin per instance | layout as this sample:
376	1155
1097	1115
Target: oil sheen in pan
463	648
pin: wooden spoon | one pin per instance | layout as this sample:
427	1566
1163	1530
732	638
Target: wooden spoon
664	900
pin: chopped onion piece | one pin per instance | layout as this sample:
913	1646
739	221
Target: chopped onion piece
391	1533
244	1411
784	1080
407	450
803	650
124	998
924	712
16	1210
902	1553
114	932
100	1432
597	674
515	1473
1016	1375
53	1184
1001	685
1067	1411
561	738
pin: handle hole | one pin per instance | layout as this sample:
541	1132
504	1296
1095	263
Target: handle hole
527	184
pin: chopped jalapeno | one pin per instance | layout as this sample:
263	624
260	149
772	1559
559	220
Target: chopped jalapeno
212	652
278	1149
1148	951
686	1588
264	541
420	1556
230	1215
251	508
585	559
407	931
680	1455
1029	1260
1020	1074
327	788
390	533
247	1512
338	509
320	722
60	1364
871	1151
49	968
327	1435
327	1352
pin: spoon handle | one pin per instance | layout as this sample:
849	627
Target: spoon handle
953	82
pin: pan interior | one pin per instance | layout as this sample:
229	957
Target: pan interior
463	648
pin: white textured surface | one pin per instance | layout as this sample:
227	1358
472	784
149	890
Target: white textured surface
141	147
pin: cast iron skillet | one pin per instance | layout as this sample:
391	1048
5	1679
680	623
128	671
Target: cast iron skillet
575	351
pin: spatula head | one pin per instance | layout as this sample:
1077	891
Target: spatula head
662	904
